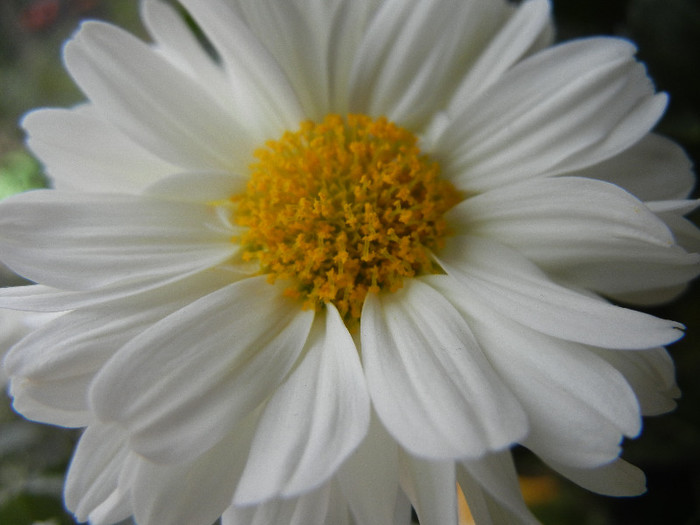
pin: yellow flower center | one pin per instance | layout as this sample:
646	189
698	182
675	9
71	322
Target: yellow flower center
342	208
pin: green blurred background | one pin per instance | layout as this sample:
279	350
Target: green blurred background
33	457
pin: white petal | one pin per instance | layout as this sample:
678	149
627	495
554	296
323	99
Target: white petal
618	478
192	493
412	57
95	240
94	471
549	212
508	46
54	365
313	421
179	44
432	488
655	168
263	92
24	393
40	298
583	231
242	340
565	389
429	381
310	509
82	151
152	102
369	479
81	341
516	288
650	373
314	43
197	187
490	485
569	106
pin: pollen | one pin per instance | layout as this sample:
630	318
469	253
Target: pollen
343	208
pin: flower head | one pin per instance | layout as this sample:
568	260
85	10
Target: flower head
346	261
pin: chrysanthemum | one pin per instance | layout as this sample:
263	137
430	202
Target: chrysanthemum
345	261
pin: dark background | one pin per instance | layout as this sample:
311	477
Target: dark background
667	32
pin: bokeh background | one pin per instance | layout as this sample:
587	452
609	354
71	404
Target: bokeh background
33	457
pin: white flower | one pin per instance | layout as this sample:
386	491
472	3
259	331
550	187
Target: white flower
348	263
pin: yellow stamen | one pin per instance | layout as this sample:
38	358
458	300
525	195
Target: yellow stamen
342	208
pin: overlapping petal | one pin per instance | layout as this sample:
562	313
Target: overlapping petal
650	374
182	124
82	151
430	485
583	231
263	92
653	169
509	45
176	41
545	116
97	240
491	487
195	492
507	282
617	478
563	387
409	50
313	422
55	363
92	484
239	356
369	479
430	383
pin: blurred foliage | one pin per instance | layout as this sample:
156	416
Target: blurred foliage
667	32
19	172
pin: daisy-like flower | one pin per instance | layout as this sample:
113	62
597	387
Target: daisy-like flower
345	261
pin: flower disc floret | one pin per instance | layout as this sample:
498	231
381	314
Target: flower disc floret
342	208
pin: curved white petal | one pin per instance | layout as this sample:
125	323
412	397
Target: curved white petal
313	421
45	299
510	284
569	106
263	93
97	240
197	187
587	232
176	41
655	168
672	213
565	388
242	340
650	373
314	42
369	479
492	491
432	488
618	478
82	152
25	393
154	103
430	383
54	365
196	492
509	45
310	509
412	57
94	471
